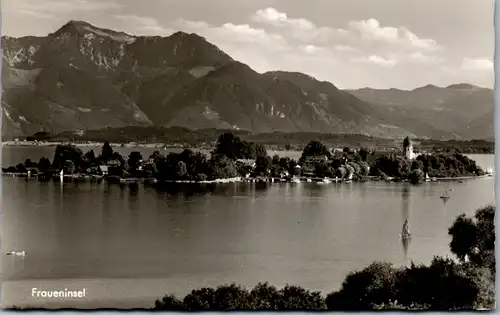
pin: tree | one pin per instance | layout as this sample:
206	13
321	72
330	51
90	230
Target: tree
265	297
263	164
324	170
363	153
29	163
416	176
134	160
375	284
276	159
464	235
234	148
65	153
222	167
227	144
90	156
417	165
260	151
155	156
43	164
169	303
296	298
314	148
199	300
69	167
475	238
106	152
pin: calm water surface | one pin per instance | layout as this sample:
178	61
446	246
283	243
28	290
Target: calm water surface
129	246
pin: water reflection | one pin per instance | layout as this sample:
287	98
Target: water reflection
445	202
189	190
406	208
405	242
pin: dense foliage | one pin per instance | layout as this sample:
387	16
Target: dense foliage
434	165
230	153
187	165
442	285
231	297
473	239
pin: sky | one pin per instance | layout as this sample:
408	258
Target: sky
352	43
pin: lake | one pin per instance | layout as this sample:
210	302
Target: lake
127	246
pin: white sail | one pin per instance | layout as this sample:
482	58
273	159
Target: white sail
406	229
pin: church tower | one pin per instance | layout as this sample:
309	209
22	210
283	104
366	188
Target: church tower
408	148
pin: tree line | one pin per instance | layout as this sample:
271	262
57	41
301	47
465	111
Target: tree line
223	163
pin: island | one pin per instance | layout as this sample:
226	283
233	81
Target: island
233	159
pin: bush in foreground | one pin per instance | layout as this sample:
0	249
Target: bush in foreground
232	297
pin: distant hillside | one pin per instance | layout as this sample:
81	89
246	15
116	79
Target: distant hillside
82	77
463	109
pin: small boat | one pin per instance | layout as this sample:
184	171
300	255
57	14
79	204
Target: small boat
445	195
295	180
406	233
309	180
325	181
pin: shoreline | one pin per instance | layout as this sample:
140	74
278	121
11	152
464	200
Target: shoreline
237	179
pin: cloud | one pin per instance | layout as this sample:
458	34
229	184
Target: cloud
421	58
274	17
395	45
469	64
371	30
230	33
56	9
311	49
345	48
376	60
142	25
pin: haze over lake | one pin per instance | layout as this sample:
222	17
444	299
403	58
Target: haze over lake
128	247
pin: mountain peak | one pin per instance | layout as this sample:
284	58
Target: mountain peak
184	34
462	86
426	87
74	27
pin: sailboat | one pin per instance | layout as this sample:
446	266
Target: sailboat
405	233
445	195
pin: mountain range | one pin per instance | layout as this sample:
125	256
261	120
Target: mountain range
83	77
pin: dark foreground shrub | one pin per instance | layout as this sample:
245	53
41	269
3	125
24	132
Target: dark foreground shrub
233	297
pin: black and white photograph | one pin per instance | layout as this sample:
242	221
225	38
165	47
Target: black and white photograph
237	155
